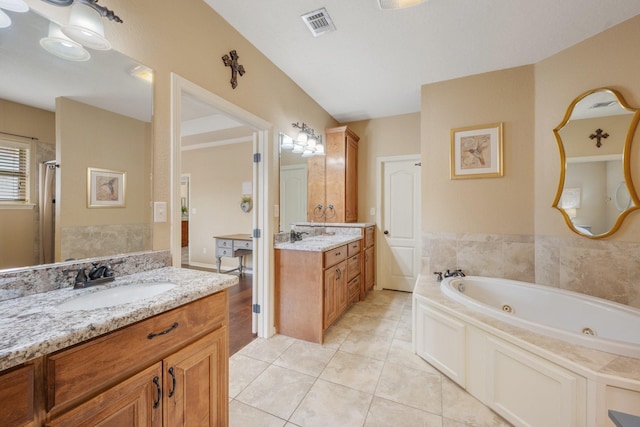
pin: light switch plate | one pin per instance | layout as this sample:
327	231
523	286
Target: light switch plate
159	211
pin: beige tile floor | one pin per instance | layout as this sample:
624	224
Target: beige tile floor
365	374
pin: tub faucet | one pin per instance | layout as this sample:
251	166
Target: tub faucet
454	273
438	276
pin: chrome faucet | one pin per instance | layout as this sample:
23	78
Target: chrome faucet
454	273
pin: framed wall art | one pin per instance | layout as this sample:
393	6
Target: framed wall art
476	152
105	188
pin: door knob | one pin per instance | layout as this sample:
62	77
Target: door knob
386	231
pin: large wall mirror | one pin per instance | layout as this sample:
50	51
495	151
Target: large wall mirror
595	192
293	186
96	113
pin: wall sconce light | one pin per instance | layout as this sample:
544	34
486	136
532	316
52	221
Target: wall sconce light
62	46
12	6
307	143
570	201
85	28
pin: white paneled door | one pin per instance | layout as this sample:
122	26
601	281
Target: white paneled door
399	249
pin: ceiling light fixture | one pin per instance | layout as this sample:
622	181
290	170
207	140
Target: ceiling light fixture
12	6
62	46
398	4
306	143
5	21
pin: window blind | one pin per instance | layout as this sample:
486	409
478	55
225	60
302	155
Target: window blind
14	172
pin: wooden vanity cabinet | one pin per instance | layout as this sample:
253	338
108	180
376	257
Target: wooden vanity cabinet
333	178
18	397
369	264
354	271
180	355
311	290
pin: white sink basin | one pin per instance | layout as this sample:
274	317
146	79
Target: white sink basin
115	296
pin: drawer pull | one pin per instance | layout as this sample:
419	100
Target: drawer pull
152	335
173	382
337	253
156	381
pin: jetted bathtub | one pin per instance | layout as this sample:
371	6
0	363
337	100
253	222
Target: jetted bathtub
573	317
531	380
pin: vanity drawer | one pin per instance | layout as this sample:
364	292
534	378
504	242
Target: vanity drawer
353	248
224	252
88	368
353	267
224	243
334	256
243	244
354	290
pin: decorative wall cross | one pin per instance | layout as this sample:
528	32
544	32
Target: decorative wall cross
231	60
598	135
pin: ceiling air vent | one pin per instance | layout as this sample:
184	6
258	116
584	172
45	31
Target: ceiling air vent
319	22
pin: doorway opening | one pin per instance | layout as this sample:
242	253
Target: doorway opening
219	145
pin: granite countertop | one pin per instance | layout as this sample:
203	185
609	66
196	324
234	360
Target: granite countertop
582	360
319	243
33	326
336	224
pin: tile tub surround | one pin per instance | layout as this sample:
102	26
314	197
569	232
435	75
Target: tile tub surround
492	255
365	374
33	326
19	282
601	268
584	361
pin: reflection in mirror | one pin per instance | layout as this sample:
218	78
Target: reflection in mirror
595	192
293	186
77	115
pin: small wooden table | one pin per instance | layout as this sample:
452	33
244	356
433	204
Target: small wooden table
232	246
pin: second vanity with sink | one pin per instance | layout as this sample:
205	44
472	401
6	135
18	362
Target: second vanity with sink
320	276
149	348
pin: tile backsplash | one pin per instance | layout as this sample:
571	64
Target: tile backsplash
600	268
32	280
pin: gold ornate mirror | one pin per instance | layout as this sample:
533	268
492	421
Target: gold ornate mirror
595	192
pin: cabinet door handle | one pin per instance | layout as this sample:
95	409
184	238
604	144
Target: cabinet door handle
173	382
338	273
152	335
156	381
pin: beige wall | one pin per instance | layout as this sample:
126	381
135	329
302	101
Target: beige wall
562	78
505	226
19	226
217	175
483	226
387	136
90	137
488	205
608	268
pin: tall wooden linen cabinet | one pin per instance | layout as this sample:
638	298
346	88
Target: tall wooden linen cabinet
333	179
